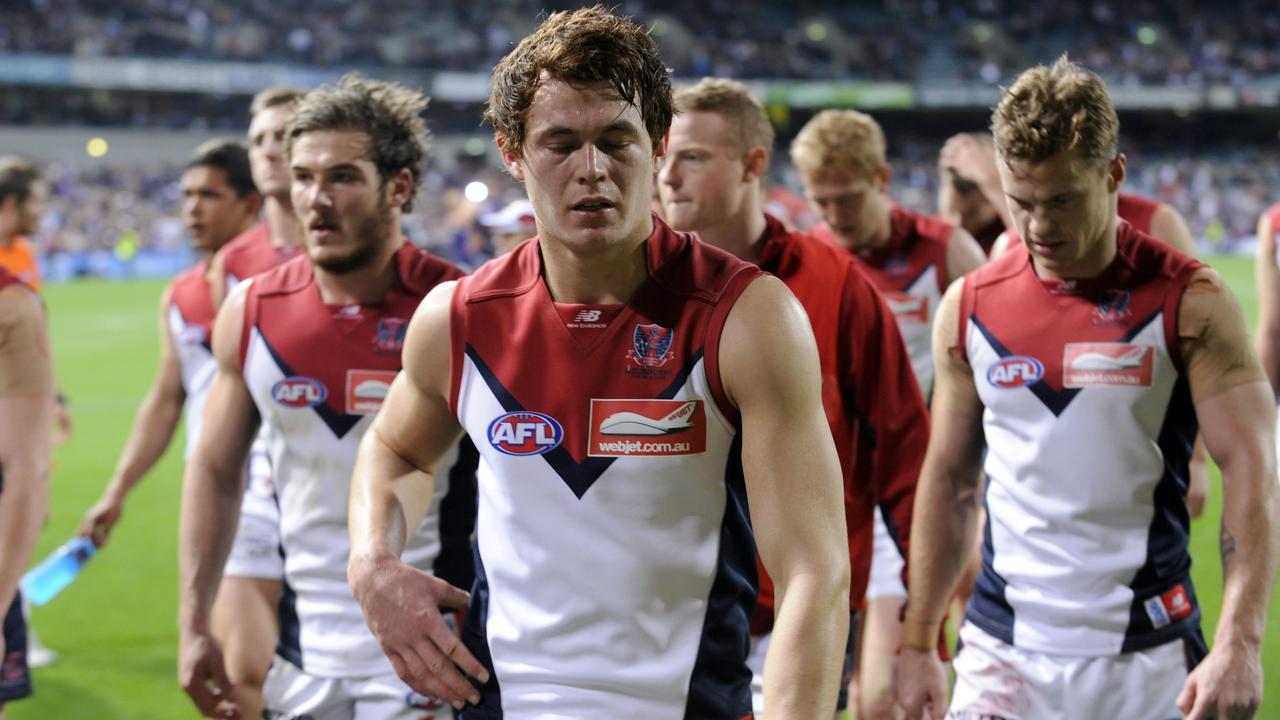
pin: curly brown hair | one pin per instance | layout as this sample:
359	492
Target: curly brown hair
1061	108
732	101
390	114
588	45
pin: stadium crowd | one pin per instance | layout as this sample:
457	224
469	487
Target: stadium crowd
1181	42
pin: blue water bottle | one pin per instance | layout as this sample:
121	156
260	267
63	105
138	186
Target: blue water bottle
57	571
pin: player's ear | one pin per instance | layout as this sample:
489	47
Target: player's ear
882	177
510	160
400	188
756	165
660	150
1116	172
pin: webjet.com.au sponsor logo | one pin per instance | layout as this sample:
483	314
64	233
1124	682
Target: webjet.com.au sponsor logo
635	447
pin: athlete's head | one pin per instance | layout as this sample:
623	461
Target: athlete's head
22	194
355	154
840	156
580	110
1057	136
717	154
960	199
270	112
219	200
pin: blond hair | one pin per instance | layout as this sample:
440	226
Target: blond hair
748	125
842	143
1049	110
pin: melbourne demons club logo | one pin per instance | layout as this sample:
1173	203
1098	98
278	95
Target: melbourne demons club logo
651	345
390	337
1114	309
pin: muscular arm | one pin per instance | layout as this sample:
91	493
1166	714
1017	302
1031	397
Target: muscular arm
794	491
964	255
391	491
394	479
1237	414
1168	227
1002	245
1267	277
947	503
26	421
214	480
153	428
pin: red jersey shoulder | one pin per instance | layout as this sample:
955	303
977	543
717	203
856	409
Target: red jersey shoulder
1147	256
1007	265
787	254
1137	210
290	276
189	292
7	278
420	270
685	266
512	274
1273	214
915	225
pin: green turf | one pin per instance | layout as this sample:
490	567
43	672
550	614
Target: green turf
115	627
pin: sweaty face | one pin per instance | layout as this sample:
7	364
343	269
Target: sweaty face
1064	208
211	211
587	165
853	208
703	178
266	151
340	198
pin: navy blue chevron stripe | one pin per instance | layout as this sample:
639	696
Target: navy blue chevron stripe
579	476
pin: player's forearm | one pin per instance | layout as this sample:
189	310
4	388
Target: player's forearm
388	496
153	428
806	651
22	510
1250	547
944	528
211	499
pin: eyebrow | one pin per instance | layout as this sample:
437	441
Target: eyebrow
331	168
624	126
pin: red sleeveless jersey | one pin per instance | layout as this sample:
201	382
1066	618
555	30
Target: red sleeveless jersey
7	278
252	253
189	294
1273	214
615	561
872	400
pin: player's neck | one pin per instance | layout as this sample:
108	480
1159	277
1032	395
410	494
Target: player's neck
603	278
283	226
739	235
367	285
1091	265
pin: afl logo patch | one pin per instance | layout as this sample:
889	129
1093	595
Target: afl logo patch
525	433
1015	372
298	391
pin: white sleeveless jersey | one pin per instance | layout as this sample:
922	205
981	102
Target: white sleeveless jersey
1089	425
317	376
910	272
189	317
615	566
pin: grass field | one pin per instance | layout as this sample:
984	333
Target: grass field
115	627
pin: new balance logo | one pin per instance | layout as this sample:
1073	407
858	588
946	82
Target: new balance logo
587	316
